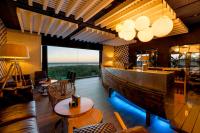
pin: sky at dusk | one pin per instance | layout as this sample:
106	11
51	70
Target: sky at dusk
60	54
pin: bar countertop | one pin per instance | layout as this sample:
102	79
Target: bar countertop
147	71
152	79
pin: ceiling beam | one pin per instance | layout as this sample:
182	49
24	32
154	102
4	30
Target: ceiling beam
59	26
71	29
45	4
21	23
97	9
72	7
50	25
67	26
115	11
79	33
31	15
85	8
59	6
30	2
53	41
51	12
41	24
76	31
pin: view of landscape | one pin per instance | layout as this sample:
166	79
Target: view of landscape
62	60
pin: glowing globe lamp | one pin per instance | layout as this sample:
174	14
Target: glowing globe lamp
142	23
128	25
145	35
162	26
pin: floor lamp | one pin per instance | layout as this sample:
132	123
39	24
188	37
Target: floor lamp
14	53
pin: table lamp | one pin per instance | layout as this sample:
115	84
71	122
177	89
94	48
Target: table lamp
14	53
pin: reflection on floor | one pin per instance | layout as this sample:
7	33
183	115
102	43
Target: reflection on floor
92	88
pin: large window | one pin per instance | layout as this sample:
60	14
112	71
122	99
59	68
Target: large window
62	60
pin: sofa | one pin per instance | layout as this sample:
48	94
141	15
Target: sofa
19	118
17	108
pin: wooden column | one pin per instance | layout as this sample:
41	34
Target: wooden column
44	58
100	62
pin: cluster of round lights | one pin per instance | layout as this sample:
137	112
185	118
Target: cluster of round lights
145	31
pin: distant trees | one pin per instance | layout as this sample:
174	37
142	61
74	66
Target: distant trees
60	72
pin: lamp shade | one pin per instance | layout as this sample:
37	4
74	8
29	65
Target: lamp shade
119	27
162	26
142	23
145	35
129	25
127	35
14	51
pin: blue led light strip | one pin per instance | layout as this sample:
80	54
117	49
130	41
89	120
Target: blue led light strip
122	105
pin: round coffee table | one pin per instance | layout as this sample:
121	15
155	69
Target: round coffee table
62	108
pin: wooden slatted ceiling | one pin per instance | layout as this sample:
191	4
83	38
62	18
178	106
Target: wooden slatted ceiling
132	9
92	35
88	8
35	22
97	36
118	42
179	28
179	3
85	9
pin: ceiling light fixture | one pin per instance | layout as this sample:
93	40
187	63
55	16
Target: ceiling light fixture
160	28
126	30
142	23
145	35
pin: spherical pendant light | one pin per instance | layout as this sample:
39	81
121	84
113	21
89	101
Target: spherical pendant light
130	35
128	25
119	27
142	23
162	26
145	35
121	34
127	35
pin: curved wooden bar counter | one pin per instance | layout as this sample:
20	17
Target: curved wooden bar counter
147	89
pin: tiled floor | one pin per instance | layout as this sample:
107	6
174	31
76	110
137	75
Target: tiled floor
92	88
